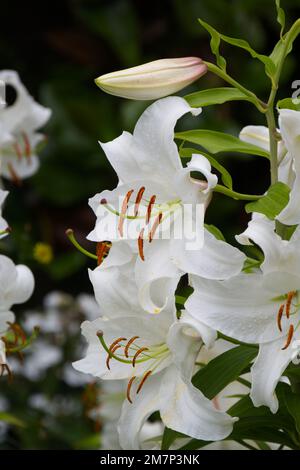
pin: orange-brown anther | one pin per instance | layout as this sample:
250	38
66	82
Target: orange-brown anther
129	388
145	377
289	303
289	337
156	223
112	350
140	351
138	200
101	251
14	175
4	367
149	209
117	341
27	145
141	245
126	350
18	332
123	211
279	316
18	150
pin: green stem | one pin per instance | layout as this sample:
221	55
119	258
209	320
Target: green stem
261	106
273	144
230	193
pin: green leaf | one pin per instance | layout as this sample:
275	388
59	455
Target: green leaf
215	232
272	203
280	16
224	369
226	177
215	43
289	103
292	402
215	96
215	142
10	419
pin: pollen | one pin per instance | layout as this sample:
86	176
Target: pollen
138	200
279	316
123	211
149	209
129	388
289	303
289	337
141	245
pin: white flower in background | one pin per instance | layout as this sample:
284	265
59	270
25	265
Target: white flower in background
19	136
288	158
16	286
262	307
156	354
3	223
153	80
154	189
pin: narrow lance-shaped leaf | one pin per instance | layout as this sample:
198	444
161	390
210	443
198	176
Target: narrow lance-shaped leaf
215	142
215	96
280	16
215	44
272	203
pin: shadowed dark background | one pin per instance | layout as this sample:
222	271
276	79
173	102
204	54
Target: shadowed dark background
58	48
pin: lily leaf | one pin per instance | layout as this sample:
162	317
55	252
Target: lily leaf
215	43
10	419
272	203
289	103
215	142
280	16
215	96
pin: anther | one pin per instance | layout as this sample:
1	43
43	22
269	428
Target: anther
27	145
289	337
145	377
126	350
117	341
129	388
141	245
14	175
279	316
140	351
149	209
101	250
112	351
5	368
156	223
289	303
123	211
18	150
138	200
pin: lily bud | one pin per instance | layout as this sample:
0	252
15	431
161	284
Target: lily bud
153	80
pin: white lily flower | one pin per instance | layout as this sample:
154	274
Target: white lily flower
288	158
144	350
18	136
262	307
155	189
3	223
16	286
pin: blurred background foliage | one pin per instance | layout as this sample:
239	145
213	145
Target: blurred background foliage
58	48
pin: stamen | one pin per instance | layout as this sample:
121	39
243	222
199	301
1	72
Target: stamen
117	341
129	388
71	237
4	367
102	250
137	354
279	316
129	344
141	245
145	377
289	337
289	303
112	350
123	211
156	223
138	200
18	332
149	210
18	150
27	145
14	175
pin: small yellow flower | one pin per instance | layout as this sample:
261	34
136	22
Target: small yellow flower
43	253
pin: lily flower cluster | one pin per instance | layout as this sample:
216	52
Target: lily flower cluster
152	326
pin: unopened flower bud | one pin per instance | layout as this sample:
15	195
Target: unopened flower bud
153	80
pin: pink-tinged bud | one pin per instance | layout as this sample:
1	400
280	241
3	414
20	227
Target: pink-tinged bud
153	80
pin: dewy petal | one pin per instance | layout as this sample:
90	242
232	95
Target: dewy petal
186	410
289	121
135	414
266	373
156	277
215	260
241	307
